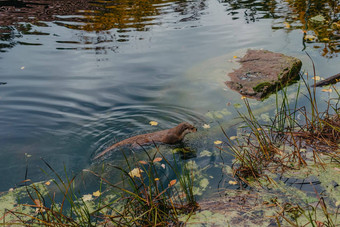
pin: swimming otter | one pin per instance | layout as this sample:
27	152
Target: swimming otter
168	136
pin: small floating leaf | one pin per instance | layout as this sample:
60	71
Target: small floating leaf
163	166
206	126
325	39
157	159
217	142
47	183
237	105
232	182
153	123
316	78
136	172
173	182
327	90
22	68
243	97
97	193
235	57
87	197
156	179
143	162
233	137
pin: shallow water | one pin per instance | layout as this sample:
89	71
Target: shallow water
82	75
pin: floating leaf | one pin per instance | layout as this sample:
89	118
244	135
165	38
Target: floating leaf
173	182
97	193
233	137
237	105
232	182
47	183
153	123
143	162
316	78
136	172
11	189
206	126
243	97
217	142
163	166
87	197
156	179
259	129
22	68
327	90
157	159
235	57
325	39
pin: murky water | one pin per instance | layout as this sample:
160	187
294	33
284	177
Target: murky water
81	75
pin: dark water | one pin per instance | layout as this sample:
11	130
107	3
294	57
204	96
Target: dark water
81	74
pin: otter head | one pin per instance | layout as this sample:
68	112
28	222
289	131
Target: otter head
184	128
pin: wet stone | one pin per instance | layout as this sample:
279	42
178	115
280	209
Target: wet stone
262	72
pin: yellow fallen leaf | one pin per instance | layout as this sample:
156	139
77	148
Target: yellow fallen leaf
153	123
23	67
316	78
232	182
173	182
157	159
325	39
143	162
156	179
235	57
47	183
233	137
243	97
327	90
136	172
96	194
87	197
217	142
259	129
206	126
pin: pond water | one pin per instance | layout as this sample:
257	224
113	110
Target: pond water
79	75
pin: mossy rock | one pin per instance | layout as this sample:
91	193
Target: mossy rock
264	72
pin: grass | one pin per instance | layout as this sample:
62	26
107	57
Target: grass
294	132
144	197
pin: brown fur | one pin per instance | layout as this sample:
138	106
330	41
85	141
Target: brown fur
168	136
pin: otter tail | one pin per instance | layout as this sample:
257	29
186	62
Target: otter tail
106	150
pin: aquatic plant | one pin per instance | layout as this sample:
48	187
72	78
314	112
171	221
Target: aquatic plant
145	196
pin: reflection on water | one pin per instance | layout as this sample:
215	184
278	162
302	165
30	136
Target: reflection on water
289	15
111	21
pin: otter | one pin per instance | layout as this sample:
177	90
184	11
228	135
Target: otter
168	136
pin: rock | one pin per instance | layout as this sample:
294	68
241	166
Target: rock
262	72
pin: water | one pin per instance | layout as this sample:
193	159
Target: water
82	75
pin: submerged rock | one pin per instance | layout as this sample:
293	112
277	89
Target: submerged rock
262	72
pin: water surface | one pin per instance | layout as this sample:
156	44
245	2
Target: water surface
82	75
